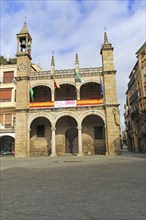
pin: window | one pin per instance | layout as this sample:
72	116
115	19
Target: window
98	133
5	95
8	77
40	130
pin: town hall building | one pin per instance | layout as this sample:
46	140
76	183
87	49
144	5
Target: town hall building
63	112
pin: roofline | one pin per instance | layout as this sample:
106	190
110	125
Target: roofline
141	48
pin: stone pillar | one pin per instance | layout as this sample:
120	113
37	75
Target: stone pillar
53	95
80	151
28	142
53	153
78	94
106	140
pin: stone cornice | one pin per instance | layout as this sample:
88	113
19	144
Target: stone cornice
19	78
112	105
109	72
67	73
71	109
22	54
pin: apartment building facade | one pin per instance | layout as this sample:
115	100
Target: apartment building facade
135	108
8	71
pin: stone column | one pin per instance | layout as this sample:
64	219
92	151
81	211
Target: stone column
28	143
78	94
80	151
53	95
53	153
106	140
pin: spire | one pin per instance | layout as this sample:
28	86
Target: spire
24	30
105	38
106	44
52	60
77	63
77	60
24	41
52	64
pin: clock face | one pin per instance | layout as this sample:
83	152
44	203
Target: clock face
21	67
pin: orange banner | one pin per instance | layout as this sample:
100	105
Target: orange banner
41	104
88	102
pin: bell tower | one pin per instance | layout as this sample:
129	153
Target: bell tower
22	93
110	99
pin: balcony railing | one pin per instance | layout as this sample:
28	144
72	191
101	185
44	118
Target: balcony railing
132	80
66	103
133	97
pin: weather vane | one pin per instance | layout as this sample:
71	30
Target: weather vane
105	28
25	19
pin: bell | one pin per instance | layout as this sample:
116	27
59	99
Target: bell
23	44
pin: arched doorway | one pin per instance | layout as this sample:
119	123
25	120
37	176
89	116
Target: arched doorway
7	145
93	135
90	90
40	137
41	94
66	135
67	92
71	136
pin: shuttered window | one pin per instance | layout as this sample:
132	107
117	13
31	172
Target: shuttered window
5	95
8	77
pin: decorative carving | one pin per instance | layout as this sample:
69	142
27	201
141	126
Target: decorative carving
21	67
116	116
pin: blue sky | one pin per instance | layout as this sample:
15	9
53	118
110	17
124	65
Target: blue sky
77	26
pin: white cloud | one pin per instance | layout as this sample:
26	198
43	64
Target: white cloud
69	27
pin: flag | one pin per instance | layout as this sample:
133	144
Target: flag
31	93
78	77
14	81
101	87
56	85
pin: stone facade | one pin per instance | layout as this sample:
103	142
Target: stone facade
8	70
135	108
65	111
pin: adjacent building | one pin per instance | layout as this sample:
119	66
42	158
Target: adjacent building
70	111
8	71
135	108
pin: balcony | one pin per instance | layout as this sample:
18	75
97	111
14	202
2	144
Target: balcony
66	103
66	96
133	97
132	80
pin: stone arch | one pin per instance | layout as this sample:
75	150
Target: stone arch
90	90
42	84
7	144
65	113
8	134
66	134
68	91
91	112
39	135
93	133
67	82
32	117
90	81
